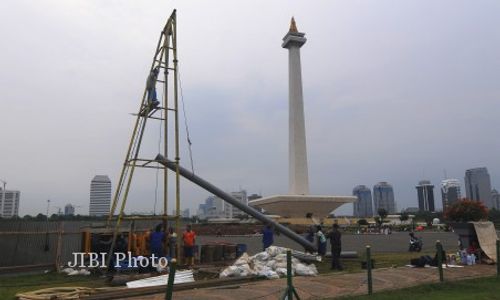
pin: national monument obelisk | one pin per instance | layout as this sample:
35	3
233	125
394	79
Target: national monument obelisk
297	150
298	203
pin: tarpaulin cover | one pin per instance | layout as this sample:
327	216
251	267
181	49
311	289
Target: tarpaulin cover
487	238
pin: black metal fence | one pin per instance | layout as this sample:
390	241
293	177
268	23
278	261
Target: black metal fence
25	243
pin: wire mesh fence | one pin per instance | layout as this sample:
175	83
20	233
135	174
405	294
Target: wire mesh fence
25	243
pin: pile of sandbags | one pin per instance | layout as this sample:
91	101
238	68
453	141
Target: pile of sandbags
270	263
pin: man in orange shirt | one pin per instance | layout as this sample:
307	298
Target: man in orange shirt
188	238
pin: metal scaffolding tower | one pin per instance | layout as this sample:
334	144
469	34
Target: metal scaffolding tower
165	59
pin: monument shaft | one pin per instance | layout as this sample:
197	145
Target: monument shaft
298	203
298	171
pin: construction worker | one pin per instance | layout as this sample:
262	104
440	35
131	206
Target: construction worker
188	238
172	242
267	236
336	243
156	240
151	88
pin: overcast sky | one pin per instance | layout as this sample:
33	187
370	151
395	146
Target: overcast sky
394	91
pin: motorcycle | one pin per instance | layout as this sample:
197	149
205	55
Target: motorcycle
416	245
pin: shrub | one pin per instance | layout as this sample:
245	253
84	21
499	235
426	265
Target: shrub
362	222
466	210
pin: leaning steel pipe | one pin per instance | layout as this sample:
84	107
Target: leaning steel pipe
233	201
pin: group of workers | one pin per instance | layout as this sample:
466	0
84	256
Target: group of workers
160	242
315	231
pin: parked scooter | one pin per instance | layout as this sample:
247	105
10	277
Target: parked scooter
416	243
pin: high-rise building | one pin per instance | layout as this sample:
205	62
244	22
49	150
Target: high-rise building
230	210
69	210
425	193
9	203
212	208
495	199
202	210
100	195
450	192
478	185
363	207
383	197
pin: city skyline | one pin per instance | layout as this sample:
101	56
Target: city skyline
428	111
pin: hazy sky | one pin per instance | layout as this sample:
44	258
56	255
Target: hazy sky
394	91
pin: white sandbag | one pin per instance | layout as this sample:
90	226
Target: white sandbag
280	257
236	271
306	270
261	256
274	251
67	270
271	264
244	259
272	275
84	272
282	272
262	270
229	272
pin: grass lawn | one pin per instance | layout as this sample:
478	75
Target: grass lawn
10	286
382	260
486	288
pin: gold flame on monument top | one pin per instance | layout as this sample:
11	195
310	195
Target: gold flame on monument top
293	26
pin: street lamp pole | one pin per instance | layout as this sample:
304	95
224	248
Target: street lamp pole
3	198
46	248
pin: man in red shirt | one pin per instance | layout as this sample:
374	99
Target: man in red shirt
188	238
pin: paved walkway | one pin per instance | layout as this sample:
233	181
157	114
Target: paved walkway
331	285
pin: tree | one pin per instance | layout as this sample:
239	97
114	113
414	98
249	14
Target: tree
426	216
494	215
362	222
41	217
466	210
404	216
382	214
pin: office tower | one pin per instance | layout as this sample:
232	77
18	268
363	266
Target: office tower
478	185
450	192
9	203
230	210
212	208
425	193
69	210
383	197
363	207
495	199
100	195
